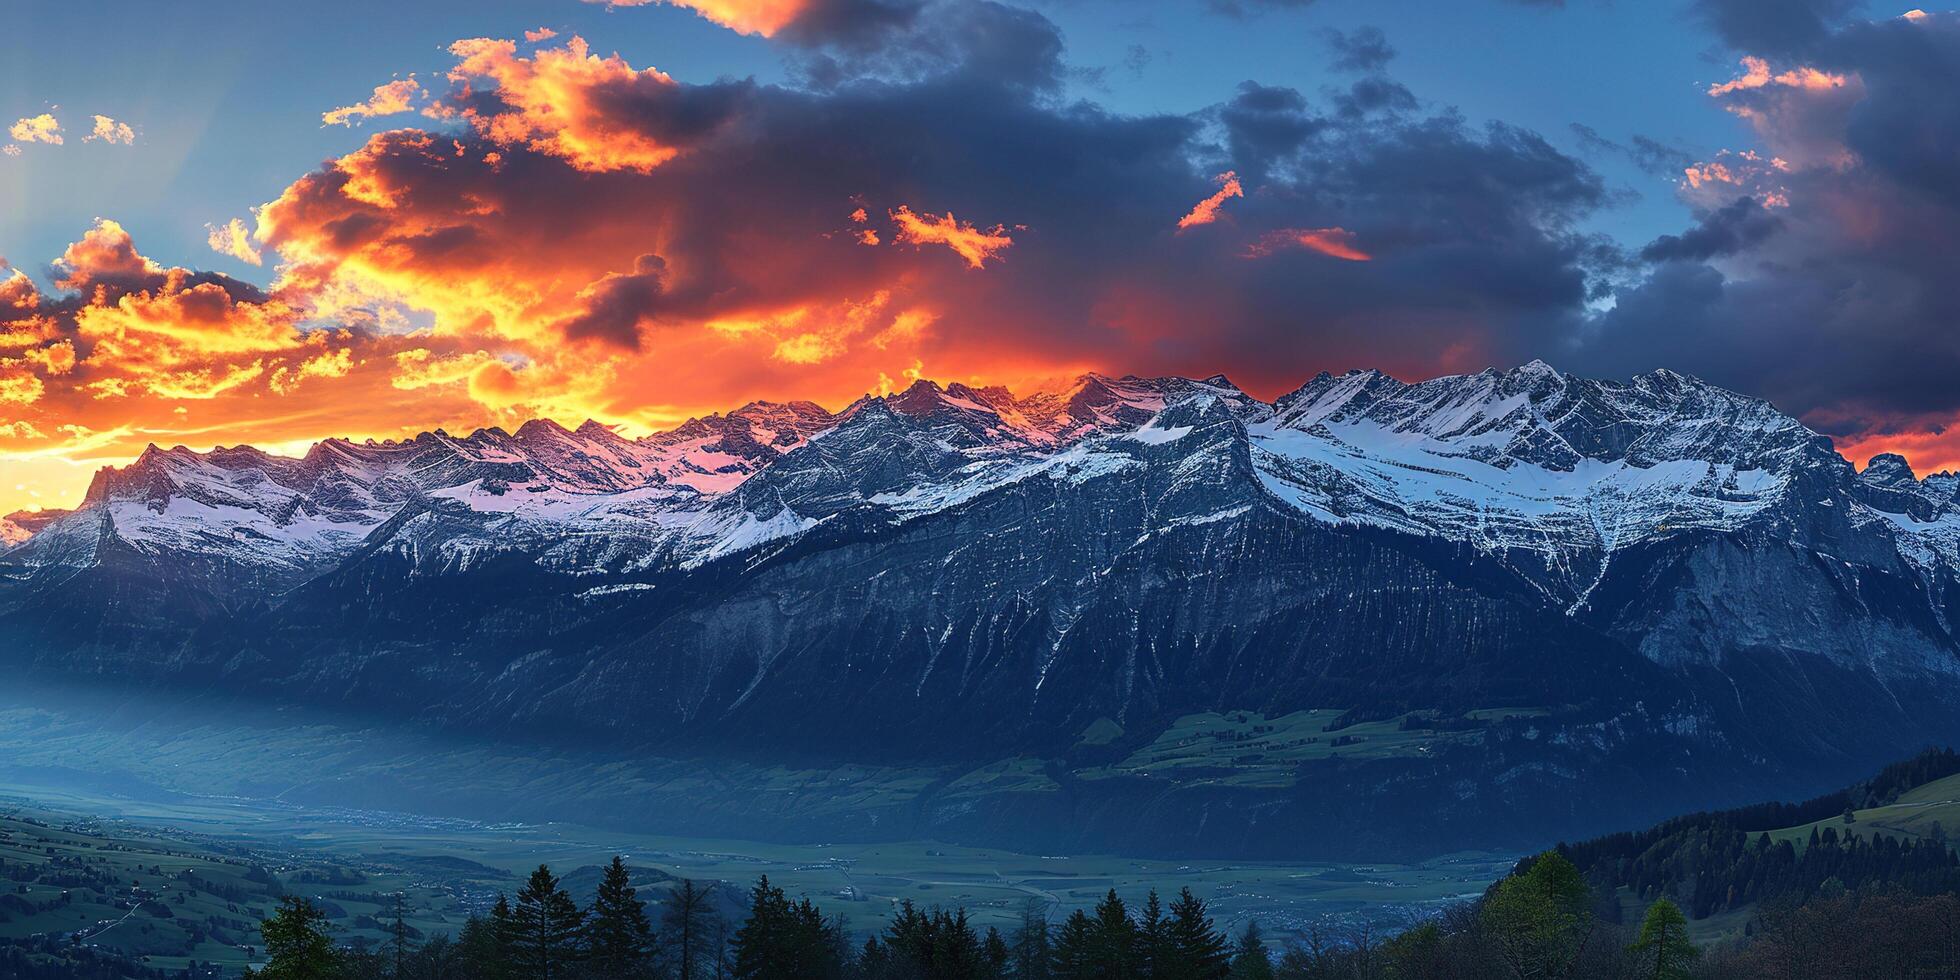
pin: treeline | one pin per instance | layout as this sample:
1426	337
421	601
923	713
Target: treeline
1539	922
544	935
43	958
1721	861
1543	921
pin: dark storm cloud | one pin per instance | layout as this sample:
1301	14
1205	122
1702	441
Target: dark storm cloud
1773	27
1264	124
1008	45
1721	232
1831	286
1417	243
852	24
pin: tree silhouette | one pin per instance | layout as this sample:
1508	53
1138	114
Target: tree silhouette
618	937
545	926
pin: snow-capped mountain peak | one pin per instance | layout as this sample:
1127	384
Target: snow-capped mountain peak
1522	462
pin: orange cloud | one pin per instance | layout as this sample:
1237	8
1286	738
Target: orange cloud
108	130
1710	172
234	239
973	244
136	351
1756	74
541	34
567	102
1931	450
763	17
1717	182
105	253
43	128
1207	210
390	99
1336	242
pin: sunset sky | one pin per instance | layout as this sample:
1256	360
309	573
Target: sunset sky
273	223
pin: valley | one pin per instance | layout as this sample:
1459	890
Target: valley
188	878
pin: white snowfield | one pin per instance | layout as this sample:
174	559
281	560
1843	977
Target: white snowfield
1529	464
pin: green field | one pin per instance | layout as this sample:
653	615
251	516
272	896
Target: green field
1245	748
228	749
1911	816
213	864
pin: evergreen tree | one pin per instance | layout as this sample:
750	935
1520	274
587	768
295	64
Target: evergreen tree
783	940
938	945
439	959
618	937
874	961
400	948
1664	949
994	955
1198	951
1072	956
545	927
1114	940
483	947
1250	960
955	953
297	946
1030	943
692	932
1153	938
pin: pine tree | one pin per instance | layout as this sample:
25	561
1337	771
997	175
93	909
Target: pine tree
1153	938
399	946
1114	939
1030	943
994	955
1072	957
1251	961
1664	949
692	931
297	945
1198	951
484	944
875	961
618	937
545	926
761	943
785	941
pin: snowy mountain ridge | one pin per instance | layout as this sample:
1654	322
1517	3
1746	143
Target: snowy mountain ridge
1551	472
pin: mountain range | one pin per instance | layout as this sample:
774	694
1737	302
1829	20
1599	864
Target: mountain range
1511	603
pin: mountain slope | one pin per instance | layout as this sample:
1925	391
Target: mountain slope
1656	571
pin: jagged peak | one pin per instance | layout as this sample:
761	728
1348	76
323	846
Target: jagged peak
536	428
1888	469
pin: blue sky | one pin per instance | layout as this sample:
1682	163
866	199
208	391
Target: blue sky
227	102
983	191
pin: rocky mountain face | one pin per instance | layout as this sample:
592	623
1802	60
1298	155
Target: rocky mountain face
1622	595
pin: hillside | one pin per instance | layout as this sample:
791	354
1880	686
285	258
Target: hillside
1886	833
